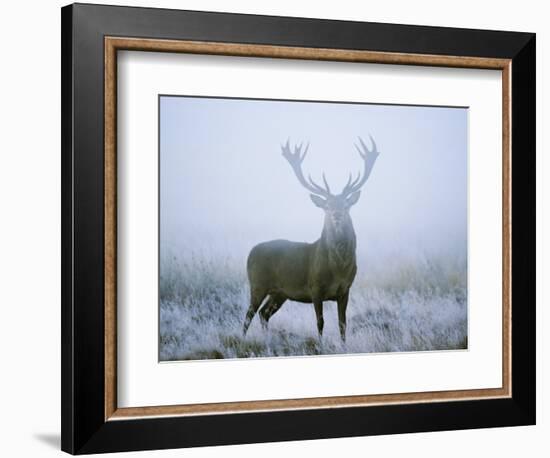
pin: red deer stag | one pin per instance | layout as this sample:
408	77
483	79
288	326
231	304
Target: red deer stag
310	272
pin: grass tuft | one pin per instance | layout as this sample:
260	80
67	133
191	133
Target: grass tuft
405	305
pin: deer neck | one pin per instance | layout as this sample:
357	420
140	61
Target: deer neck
339	244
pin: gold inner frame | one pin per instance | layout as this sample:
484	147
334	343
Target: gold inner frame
112	45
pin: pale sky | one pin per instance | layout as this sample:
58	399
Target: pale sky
224	185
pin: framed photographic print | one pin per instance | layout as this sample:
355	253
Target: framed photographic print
270	222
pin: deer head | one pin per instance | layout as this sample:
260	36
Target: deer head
336	206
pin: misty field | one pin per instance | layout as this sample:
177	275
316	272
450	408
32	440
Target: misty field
406	305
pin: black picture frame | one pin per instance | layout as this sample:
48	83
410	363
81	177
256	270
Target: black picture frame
84	428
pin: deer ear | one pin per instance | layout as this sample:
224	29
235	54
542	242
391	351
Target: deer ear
319	201
353	198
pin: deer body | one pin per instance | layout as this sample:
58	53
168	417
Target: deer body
302	271
282	270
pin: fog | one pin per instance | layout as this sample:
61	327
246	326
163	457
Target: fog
224	185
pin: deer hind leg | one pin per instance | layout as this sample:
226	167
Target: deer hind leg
256	299
342	306
319	314
271	307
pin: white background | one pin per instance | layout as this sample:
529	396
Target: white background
142	381
30	233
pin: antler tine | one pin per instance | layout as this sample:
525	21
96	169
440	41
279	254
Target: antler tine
320	190
359	150
373	143
305	152
369	157
354	182
349	181
326	184
295	160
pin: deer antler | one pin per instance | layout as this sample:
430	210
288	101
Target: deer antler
295	160
369	157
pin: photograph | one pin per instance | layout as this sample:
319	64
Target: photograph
293	228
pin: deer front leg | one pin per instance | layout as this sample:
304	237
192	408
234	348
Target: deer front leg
342	306
319	313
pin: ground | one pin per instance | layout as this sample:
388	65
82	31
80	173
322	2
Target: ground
407	305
